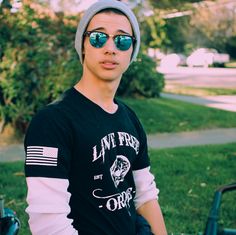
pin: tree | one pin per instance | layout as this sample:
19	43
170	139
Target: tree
162	33
153	32
208	24
171	4
141	79
213	26
231	46
177	31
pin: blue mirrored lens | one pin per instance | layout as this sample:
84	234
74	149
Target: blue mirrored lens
98	39
123	42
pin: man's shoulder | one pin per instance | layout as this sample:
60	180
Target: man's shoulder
132	115
45	117
53	111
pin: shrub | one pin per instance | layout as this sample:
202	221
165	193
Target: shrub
38	62
142	79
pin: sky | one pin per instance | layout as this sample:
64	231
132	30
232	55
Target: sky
84	4
81	5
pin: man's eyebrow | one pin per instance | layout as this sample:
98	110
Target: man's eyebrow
97	29
122	31
103	29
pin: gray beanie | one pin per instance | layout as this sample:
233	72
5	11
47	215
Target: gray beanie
93	10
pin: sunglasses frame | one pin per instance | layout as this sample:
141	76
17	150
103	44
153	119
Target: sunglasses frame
88	33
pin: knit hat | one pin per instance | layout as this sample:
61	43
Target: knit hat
93	10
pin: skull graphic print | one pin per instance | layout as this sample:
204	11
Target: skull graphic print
119	169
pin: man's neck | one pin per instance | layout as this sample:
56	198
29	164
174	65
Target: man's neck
101	93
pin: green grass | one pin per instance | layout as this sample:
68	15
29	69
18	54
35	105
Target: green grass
231	64
13	191
220	91
199	91
164	115
186	177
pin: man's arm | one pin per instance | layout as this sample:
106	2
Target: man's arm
48	159
146	200
151	211
48	206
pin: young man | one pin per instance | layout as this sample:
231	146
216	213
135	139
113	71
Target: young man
87	165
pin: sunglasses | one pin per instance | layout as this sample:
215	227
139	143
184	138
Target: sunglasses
98	39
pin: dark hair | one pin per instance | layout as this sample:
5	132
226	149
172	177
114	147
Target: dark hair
111	10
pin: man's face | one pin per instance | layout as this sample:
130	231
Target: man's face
107	63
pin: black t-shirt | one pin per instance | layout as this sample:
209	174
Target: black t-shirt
75	139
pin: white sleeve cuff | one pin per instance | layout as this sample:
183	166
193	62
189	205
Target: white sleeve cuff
146	189
51	224
48	206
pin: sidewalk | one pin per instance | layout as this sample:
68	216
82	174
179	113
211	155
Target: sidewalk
15	152
223	102
10	153
193	138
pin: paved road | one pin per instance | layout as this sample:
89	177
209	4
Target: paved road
14	152
200	77
217	136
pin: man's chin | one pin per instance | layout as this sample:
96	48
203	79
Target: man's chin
111	77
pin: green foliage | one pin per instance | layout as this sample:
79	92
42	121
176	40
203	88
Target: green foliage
141	79
212	27
154	32
231	46
38	62
170	4
177	30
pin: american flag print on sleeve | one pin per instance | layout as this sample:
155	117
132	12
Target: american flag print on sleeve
41	156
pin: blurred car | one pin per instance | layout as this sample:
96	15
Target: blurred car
202	57
221	58
205	57
172	60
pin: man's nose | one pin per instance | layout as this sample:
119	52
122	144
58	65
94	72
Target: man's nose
110	46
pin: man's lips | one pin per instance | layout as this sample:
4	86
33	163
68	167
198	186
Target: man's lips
109	64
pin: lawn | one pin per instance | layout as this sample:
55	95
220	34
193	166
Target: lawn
165	115
187	178
231	64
